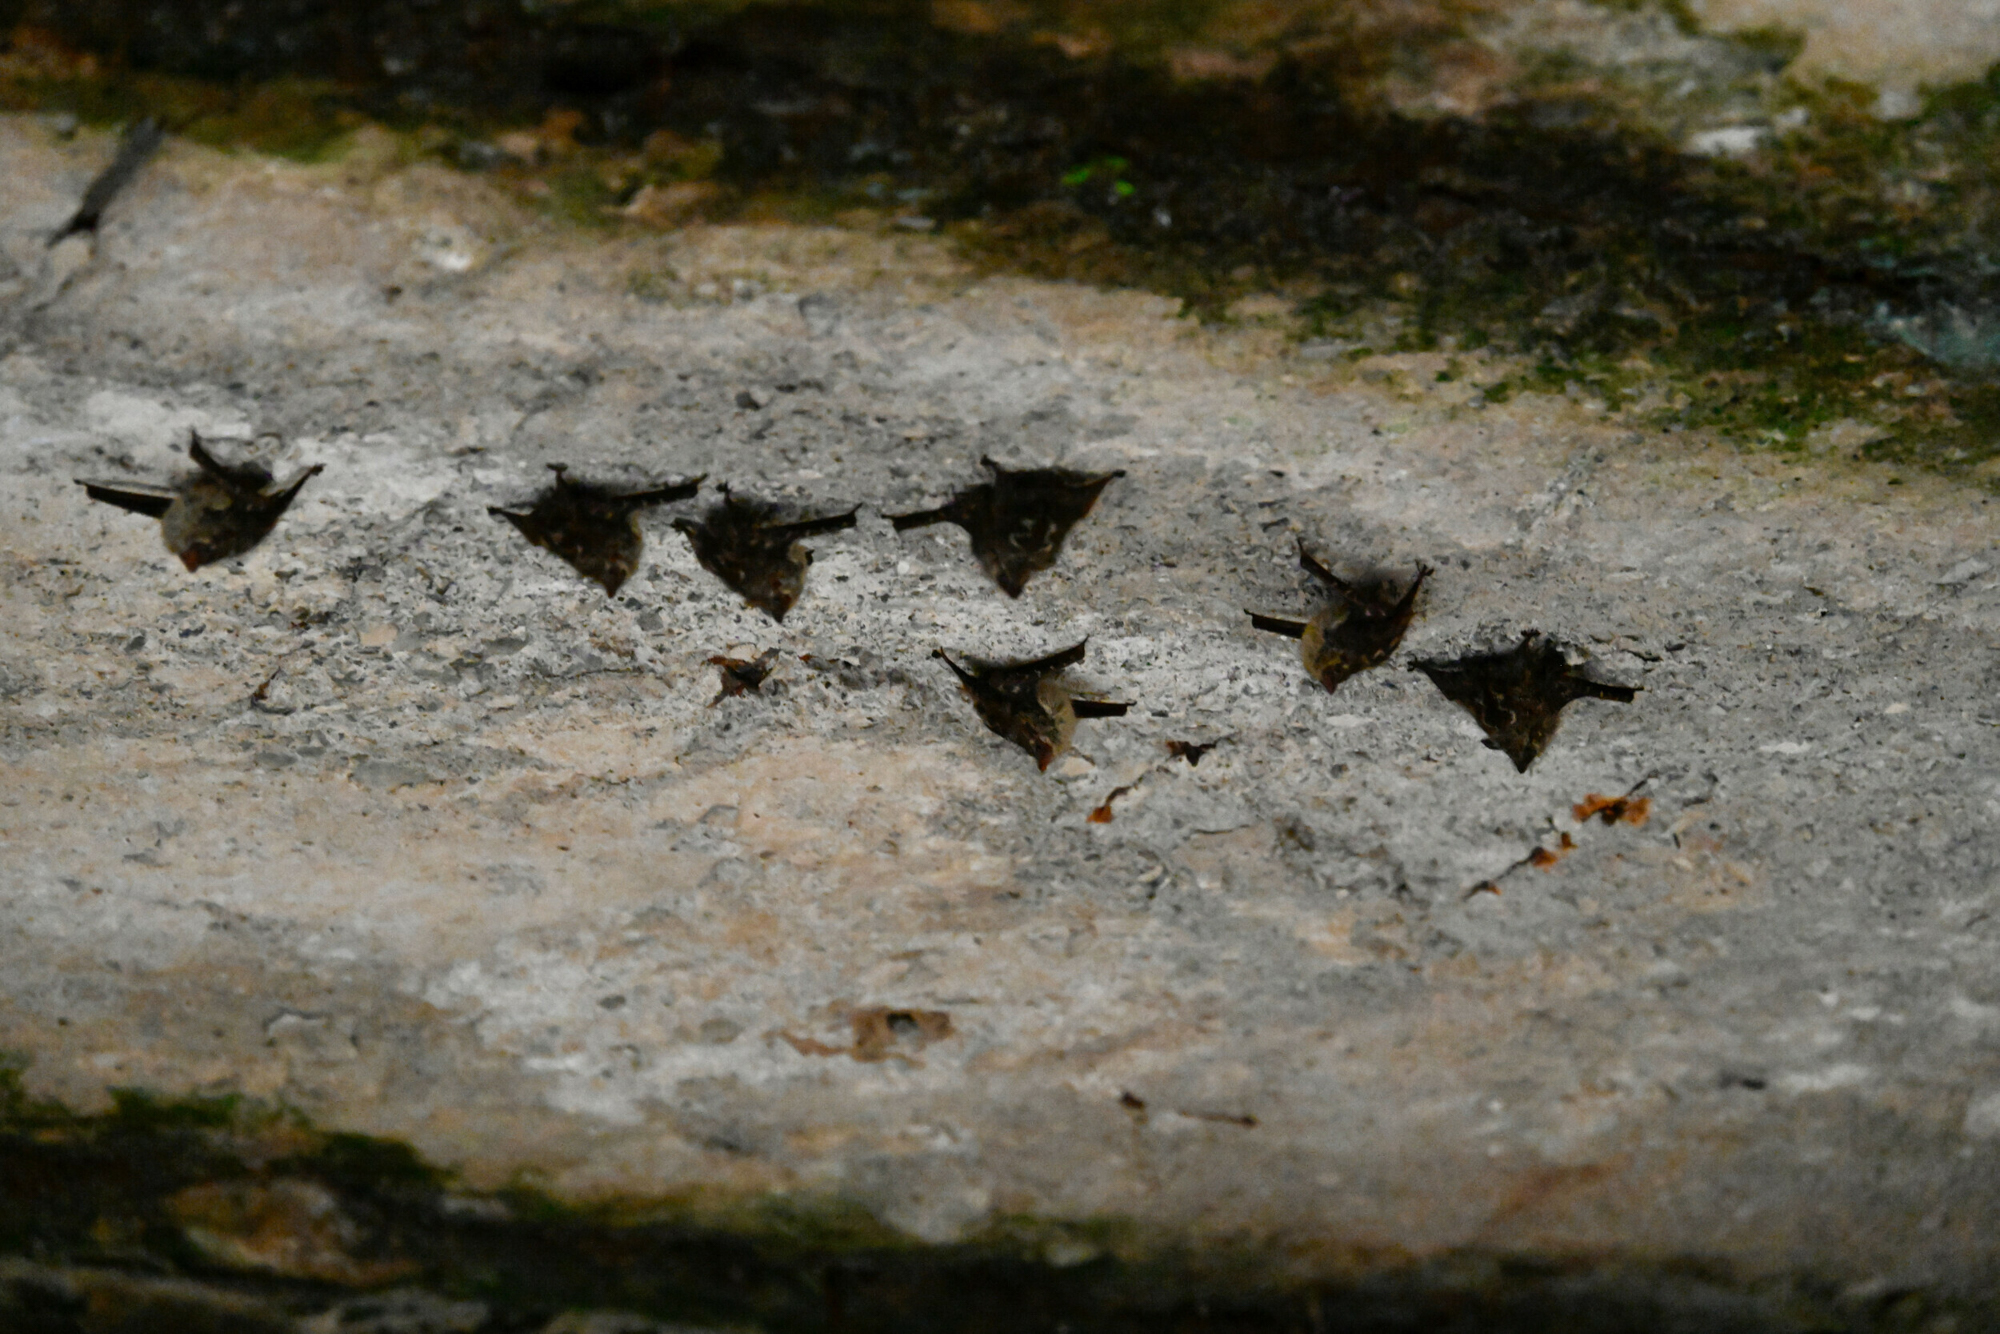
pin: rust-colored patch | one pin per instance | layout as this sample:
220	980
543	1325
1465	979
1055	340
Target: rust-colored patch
883	1034
291	1227
1101	814
1191	751
879	1031
1546	858
1613	810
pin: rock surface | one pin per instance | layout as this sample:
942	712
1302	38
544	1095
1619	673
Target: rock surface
399	822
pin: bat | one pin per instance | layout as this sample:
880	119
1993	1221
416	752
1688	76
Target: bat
1017	521
223	510
742	543
141	141
1355	629
741	675
592	527
1025	703
1517	695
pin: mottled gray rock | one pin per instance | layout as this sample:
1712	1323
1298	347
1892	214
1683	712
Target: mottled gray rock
399	821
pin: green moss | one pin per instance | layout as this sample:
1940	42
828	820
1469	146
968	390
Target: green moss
1767	299
106	1191
363	1162
1778	46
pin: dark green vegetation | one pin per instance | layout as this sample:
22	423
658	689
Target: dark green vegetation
126	1193
1845	273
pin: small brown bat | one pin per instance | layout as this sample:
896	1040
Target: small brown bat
592	527
1357	628
221	511
1024	702
741	543
742	675
1517	695
1017	521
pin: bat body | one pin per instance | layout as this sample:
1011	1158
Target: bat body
1026	703
1357	627
742	543
1017	522
594	528
1517	695
223	510
742	675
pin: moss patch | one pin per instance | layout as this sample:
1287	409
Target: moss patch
1840	273
255	1202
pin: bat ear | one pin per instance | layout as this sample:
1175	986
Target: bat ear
198	451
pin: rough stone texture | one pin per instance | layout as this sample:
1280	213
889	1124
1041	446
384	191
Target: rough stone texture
1898	43
400	822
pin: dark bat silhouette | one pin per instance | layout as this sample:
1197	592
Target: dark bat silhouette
1024	702
1357	627
1517	695
741	543
1191	751
221	511
592	527
141	141
742	675
1017	521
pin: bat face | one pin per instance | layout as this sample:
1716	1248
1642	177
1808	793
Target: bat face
1358	629
741	543
593	528
1018	521
224	510
1026	704
1517	695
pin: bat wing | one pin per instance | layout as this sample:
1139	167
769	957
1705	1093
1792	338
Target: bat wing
243	476
967	679
663	495
832	523
1278	625
922	518
140	498
1055	662
1312	566
283	498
